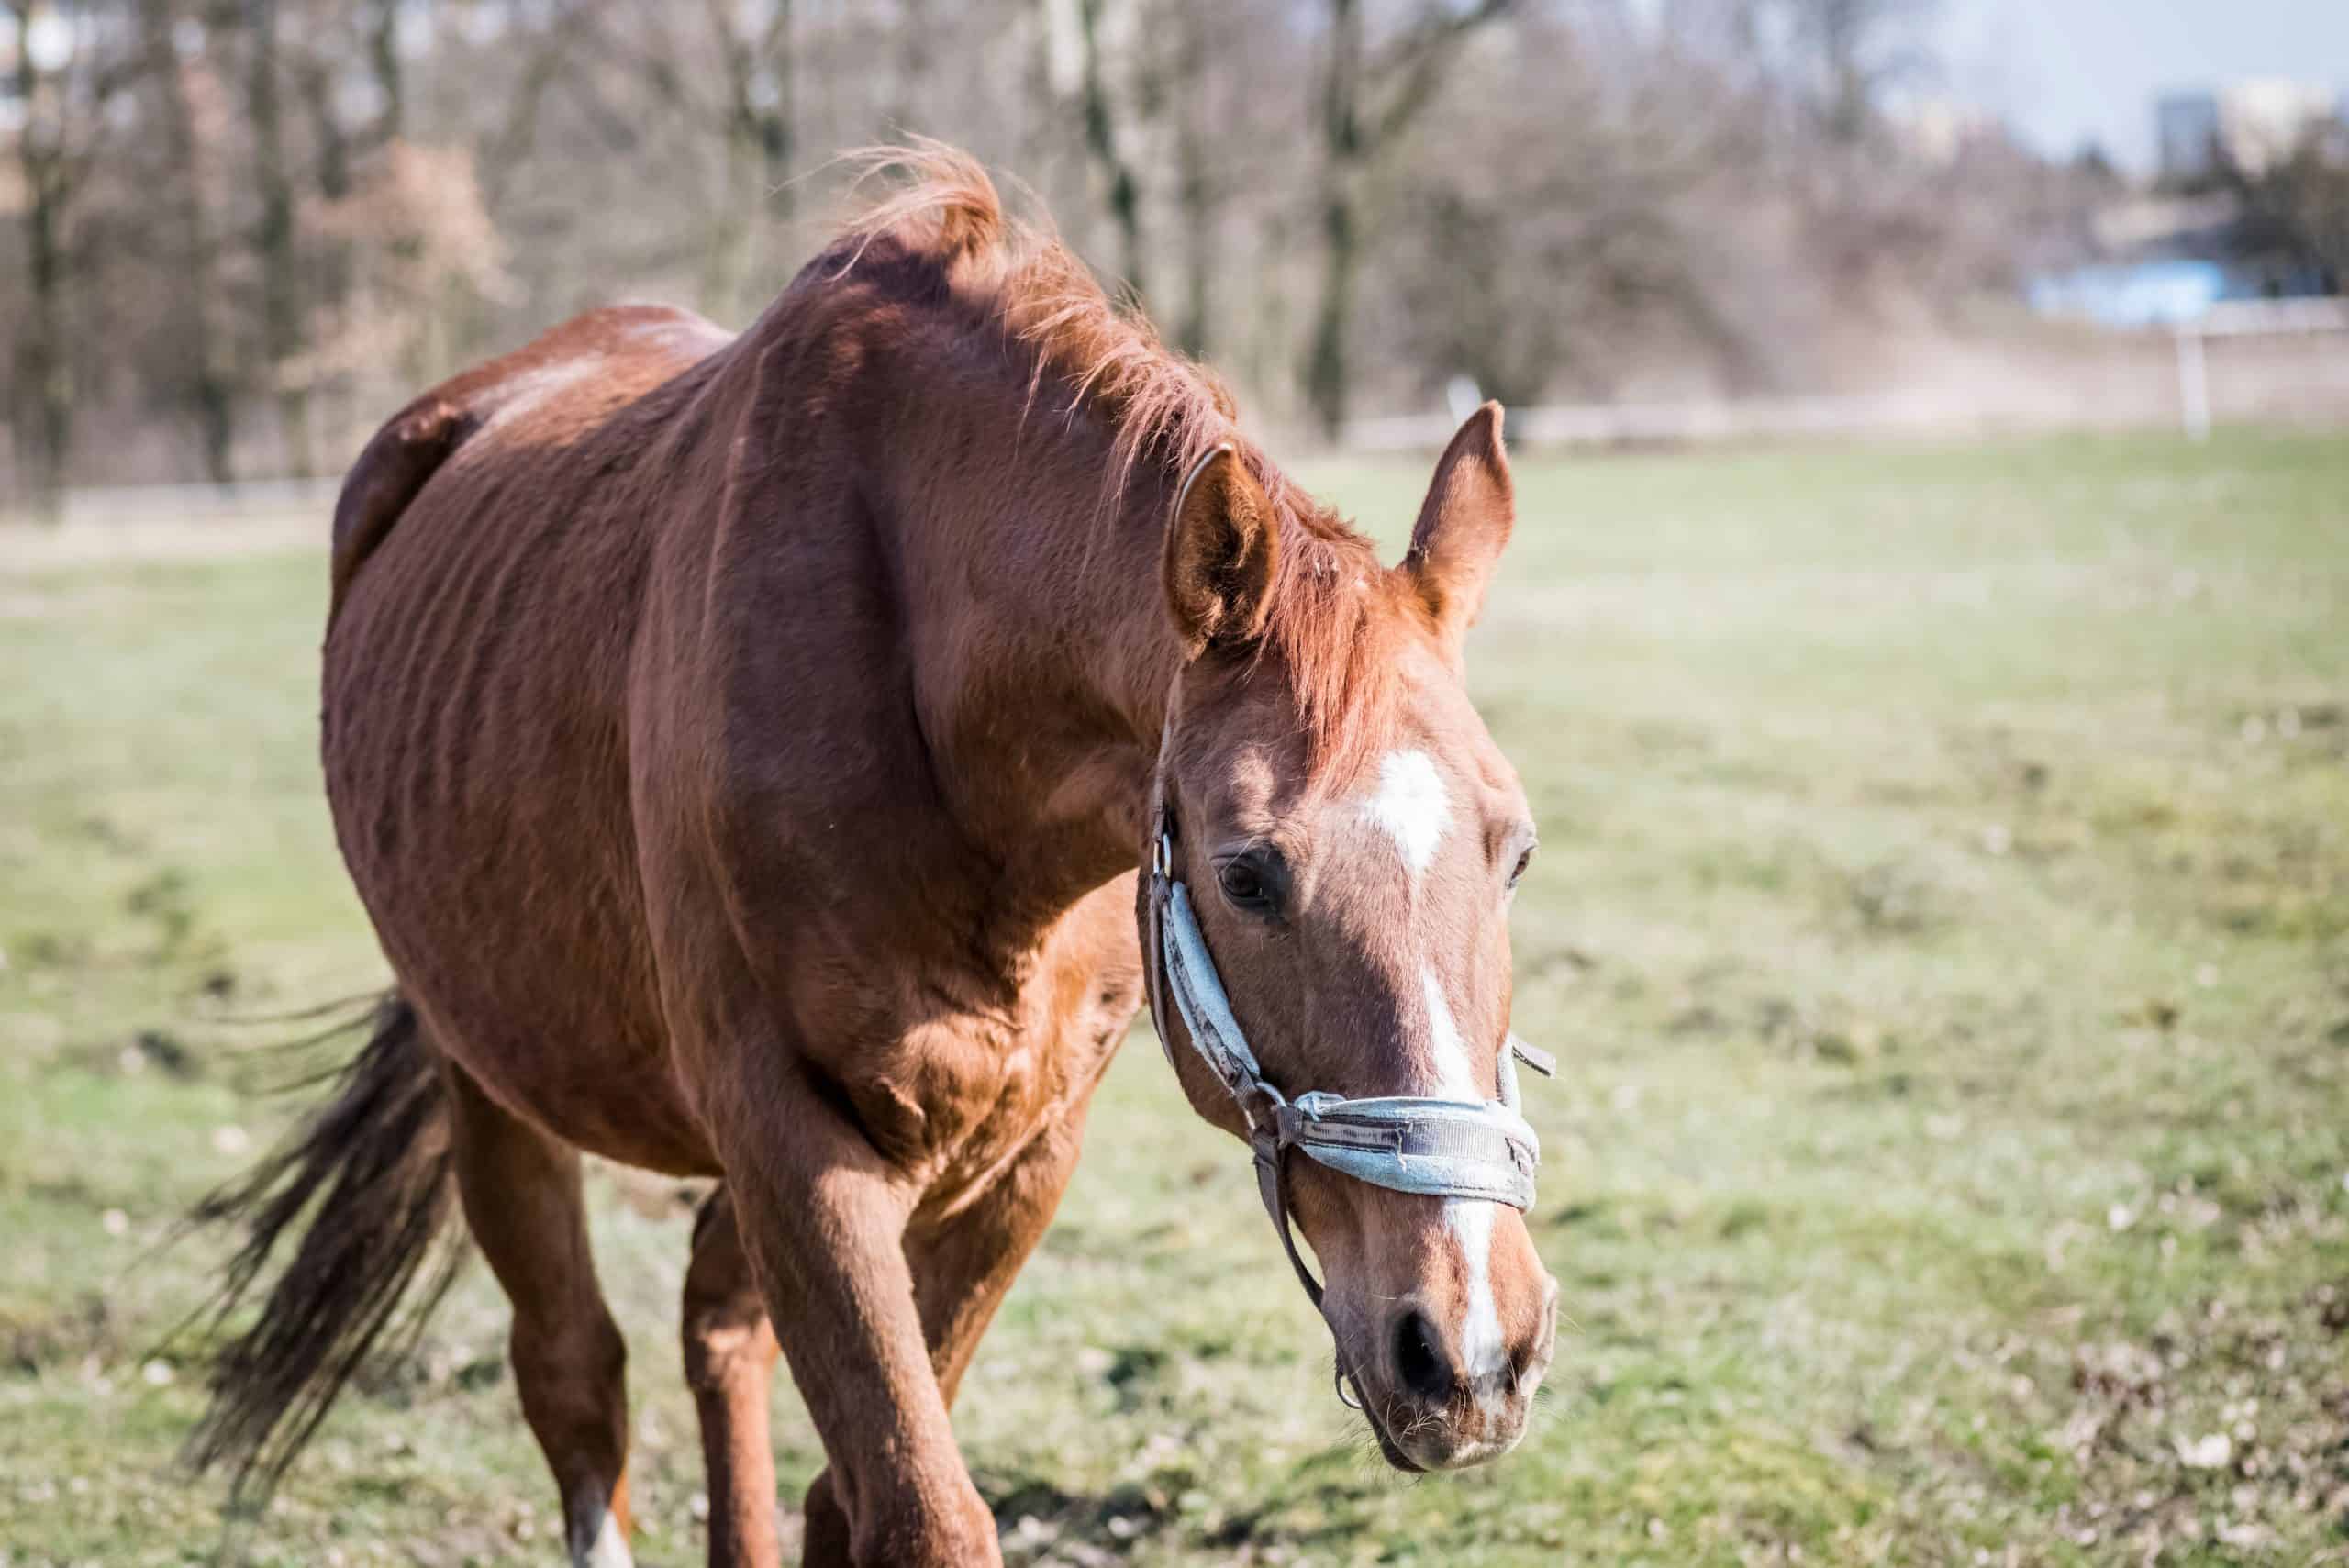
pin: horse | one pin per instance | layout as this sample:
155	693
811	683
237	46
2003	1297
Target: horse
789	759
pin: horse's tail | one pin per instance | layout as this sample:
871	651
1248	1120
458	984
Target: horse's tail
391	470
374	1170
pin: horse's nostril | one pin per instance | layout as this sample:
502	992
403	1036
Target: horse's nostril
1419	1360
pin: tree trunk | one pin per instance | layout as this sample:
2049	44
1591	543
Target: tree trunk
1341	156
1197	193
210	398
317	77
726	242
1354	131
48	371
776	115
915	28
281	307
1101	143
45	372
765	107
756	194
384	60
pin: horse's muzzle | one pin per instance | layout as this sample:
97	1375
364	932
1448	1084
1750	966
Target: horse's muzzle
1430	1411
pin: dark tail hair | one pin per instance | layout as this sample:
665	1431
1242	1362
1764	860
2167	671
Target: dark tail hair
373	1169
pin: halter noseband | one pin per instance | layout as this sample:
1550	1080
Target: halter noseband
1435	1148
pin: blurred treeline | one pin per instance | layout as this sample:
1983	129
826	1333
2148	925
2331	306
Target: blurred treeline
238	233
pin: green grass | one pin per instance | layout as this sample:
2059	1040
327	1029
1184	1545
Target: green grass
1944	916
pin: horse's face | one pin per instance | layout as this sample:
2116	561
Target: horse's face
1351	875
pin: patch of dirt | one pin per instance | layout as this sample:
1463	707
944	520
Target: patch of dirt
75	1334
2217	1433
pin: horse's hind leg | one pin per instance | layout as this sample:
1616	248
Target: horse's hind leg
730	1353
522	1200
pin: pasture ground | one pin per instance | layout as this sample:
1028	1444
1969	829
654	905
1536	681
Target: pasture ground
1943	917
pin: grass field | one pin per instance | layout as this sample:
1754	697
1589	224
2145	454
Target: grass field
1943	917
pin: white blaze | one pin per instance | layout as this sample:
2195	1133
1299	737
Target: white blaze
1482	1352
1455	1077
1411	808
1478	1335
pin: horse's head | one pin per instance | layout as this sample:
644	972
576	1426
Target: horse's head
1342	840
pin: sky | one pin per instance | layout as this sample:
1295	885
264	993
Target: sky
2069	72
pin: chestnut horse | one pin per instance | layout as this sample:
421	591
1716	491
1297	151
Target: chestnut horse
744	748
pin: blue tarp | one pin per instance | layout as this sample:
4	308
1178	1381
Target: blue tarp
2139	293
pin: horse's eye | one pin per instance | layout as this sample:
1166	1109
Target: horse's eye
1524	859
1247	882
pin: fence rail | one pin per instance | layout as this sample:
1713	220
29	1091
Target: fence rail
2121	390
1628	424
196	503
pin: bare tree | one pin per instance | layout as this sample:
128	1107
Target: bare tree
2297	211
910	109
1367	100
382	21
1198	192
726	83
553	54
307	206
284	307
73	63
1103	146
211	397
755	116
1849	50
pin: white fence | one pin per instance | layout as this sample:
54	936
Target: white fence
1626	424
2107	381
200	503
2242	318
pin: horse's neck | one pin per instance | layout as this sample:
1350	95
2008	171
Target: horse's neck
1044	658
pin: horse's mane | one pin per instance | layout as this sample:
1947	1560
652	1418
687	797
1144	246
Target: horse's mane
1157	404
1163	411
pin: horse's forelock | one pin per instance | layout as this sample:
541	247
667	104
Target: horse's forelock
1334	635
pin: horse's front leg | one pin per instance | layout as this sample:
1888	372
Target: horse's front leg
825	1218
962	1266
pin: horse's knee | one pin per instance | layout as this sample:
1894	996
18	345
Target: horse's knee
722	1343
899	1530
956	1532
961	1536
724	1324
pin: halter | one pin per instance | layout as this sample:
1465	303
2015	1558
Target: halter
1434	1148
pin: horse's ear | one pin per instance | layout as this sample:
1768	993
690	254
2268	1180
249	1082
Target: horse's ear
1220	546
1464	523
